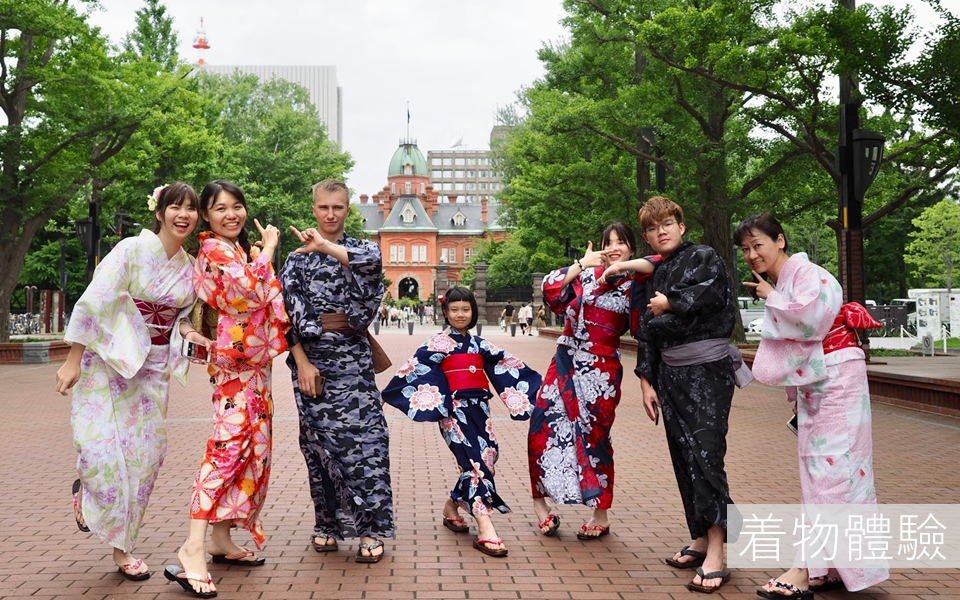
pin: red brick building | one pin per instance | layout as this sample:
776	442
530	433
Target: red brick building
424	237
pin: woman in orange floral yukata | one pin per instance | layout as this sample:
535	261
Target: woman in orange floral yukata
231	485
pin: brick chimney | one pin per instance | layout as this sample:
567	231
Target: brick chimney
483	210
363	198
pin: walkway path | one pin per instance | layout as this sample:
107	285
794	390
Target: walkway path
42	555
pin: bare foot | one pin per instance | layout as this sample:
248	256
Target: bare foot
221	544
798	578
698	545
542	509
128	563
486	531
193	559
378	551
597	526
710	565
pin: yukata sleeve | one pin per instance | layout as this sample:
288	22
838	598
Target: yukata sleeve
807	313
232	285
556	295
640	296
364	284
648	356
106	320
515	382
419	389
304	320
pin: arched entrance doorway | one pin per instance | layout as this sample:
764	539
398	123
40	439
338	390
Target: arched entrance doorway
409	288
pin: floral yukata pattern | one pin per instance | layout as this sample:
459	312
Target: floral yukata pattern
231	484
420	389
833	399
119	406
570	447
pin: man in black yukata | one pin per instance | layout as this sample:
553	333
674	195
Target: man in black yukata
332	290
687	370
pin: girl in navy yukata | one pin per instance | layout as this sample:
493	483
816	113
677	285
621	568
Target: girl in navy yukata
447	381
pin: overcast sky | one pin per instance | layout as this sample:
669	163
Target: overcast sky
454	62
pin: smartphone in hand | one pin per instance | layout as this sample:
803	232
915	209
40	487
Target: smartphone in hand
318	385
792	425
656	413
195	351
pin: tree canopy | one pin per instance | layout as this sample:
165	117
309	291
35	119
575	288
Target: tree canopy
737	104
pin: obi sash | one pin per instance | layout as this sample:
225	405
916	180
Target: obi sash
464	371
337	322
843	334
603	326
704	351
159	319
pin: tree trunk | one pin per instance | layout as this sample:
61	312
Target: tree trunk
12	256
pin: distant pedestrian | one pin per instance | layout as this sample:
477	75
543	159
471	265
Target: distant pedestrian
541	317
826	380
570	450
448	381
420	312
526	318
507	315
126	334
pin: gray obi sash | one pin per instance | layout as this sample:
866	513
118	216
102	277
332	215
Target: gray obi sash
704	351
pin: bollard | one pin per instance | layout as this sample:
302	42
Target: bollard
376	326
513	330
410	327
479	328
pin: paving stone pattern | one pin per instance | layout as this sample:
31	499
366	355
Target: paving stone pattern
43	555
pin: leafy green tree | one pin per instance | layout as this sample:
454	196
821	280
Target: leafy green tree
154	37
275	148
510	267
70	107
934	248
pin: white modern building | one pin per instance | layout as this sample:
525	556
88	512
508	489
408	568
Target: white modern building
320	81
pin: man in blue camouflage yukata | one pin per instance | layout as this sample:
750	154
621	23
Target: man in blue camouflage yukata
332	289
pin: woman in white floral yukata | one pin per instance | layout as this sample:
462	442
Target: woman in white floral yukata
809	345
447	381
125	347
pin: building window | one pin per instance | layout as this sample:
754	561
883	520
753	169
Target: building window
471	173
483	186
494	186
408	214
407	187
458	186
408	169
414	253
467	253
447	161
459	219
458	174
401	252
393	254
471	185
437	174
483	173
448	255
393	188
459	162
444	257
471	161
423	187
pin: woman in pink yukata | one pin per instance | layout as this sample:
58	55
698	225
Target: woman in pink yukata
809	346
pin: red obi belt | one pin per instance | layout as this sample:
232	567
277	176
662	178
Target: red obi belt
159	319
465	372
852	317
604	326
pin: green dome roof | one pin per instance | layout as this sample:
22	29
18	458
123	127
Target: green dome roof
407	154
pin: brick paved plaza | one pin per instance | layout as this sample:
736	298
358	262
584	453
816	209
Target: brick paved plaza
917	457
